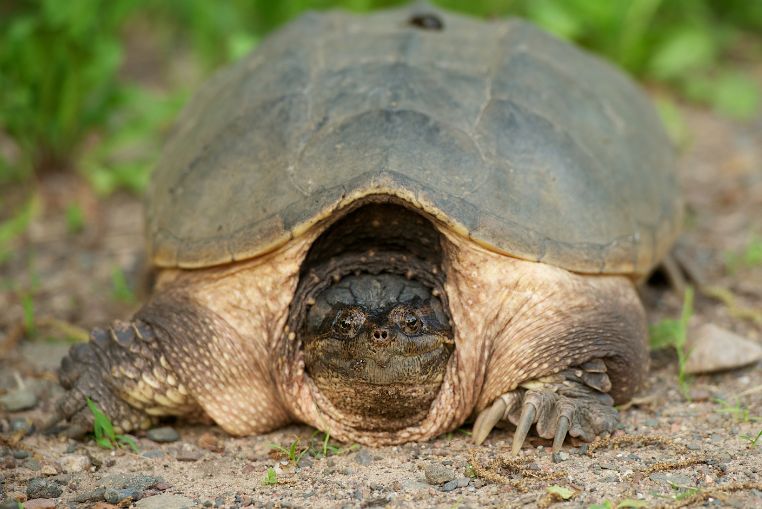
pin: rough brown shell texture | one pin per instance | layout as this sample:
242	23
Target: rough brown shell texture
498	131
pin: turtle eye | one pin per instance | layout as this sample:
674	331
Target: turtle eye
348	322
411	324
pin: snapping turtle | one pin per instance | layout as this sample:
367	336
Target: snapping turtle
383	225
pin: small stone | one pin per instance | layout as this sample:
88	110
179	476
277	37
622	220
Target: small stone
560	456
219	502
48	470
18	400
21	424
210	442
713	348
163	434
450	485
436	473
187	453
40	487
32	464
40	503
90	496
9	503
20	455
363	457
693	447
165	501
463	482
153	453
75	463
651	423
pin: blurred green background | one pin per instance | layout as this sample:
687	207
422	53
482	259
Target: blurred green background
91	86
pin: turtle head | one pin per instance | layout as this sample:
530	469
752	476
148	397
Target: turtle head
377	347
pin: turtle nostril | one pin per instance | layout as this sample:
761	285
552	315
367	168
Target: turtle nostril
380	334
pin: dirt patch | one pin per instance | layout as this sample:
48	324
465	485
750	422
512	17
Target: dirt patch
669	450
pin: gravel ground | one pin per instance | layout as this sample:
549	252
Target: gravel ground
669	450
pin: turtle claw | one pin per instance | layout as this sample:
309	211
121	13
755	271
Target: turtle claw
573	403
528	414
487	419
561	430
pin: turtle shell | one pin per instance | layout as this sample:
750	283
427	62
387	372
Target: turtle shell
519	141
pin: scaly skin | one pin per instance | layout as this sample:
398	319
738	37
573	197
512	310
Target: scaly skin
213	343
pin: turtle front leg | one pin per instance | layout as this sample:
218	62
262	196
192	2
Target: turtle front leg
123	370
566	348
175	358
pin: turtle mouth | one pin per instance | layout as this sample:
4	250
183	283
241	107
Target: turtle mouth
399	360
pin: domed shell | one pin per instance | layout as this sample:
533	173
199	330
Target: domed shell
522	142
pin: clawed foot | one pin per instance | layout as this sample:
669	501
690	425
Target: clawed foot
84	372
573	402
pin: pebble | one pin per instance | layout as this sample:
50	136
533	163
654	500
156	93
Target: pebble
187	453
363	457
163	434
32	464
153	453
560	456
113	496
40	503
409	485
22	424
75	463
165	501
671	478
19	399
90	496
715	349
20	455
436	473
40	487
9	504
210	442
460	482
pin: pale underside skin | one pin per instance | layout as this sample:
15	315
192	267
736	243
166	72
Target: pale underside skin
514	321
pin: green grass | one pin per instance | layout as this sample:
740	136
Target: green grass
673	333
747	257
120	288
738	411
271	477
75	219
294	452
103	429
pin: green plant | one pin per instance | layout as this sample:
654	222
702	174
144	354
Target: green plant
752	439
747	257
294	453
17	224
671	333
59	64
560	492
103	429
271	477
27	306
75	218
120	288
739	412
